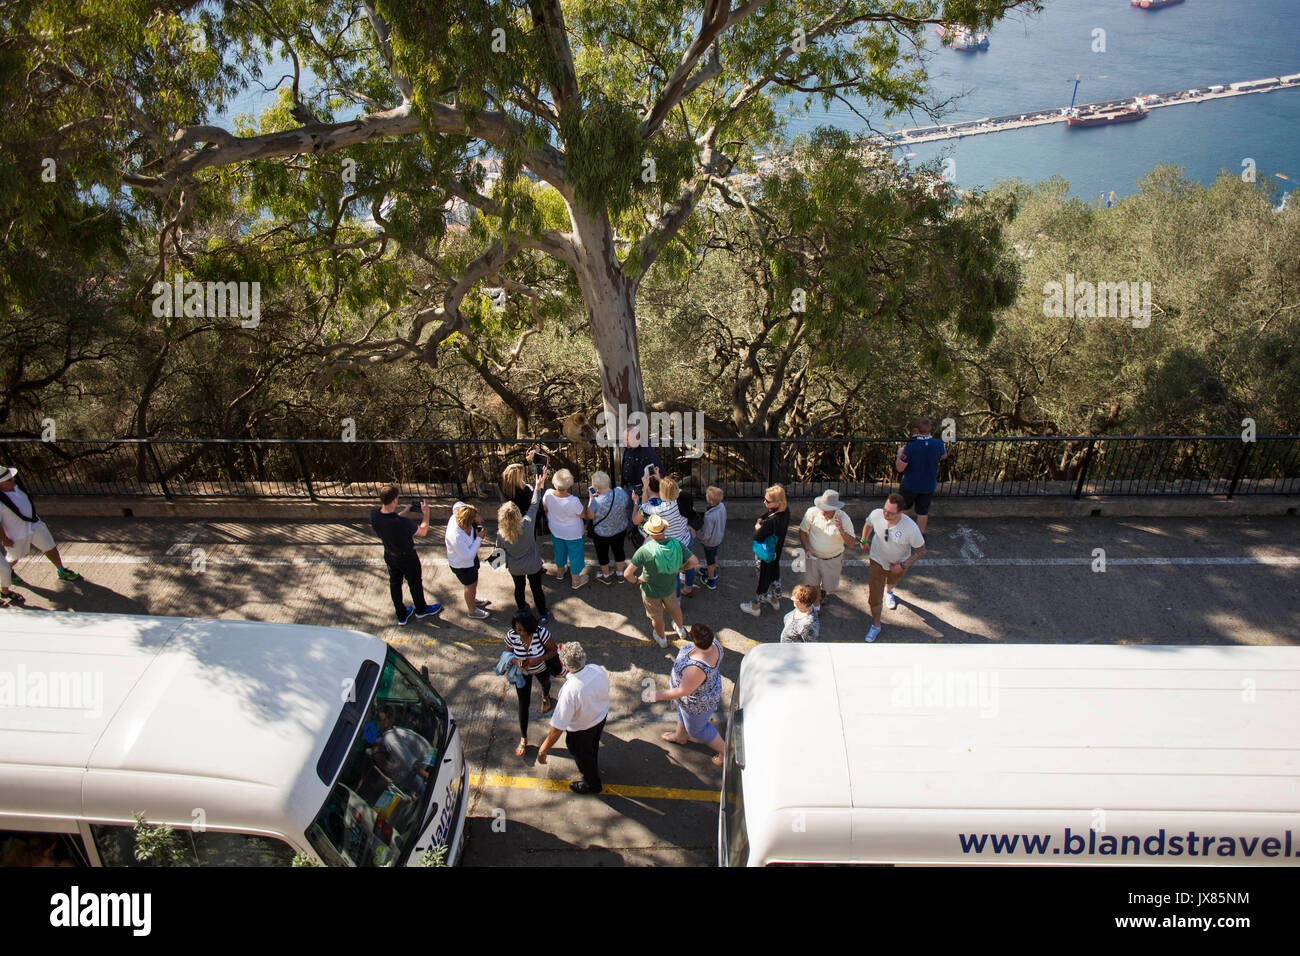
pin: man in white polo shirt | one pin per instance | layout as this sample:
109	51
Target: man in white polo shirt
825	530
580	713
896	545
22	531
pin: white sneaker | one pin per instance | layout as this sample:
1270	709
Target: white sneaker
873	633
682	632
478	612
659	638
751	608
558	572
891	602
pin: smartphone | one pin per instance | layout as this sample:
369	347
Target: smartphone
540	461
415	505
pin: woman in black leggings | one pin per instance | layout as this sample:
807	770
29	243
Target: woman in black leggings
537	656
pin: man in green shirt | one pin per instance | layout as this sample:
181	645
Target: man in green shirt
655	567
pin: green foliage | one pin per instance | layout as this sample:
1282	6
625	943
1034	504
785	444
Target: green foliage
157	844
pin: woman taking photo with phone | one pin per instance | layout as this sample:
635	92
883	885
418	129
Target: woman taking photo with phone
464	535
517	537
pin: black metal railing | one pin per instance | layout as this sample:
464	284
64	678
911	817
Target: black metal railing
335	470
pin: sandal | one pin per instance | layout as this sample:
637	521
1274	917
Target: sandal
523	746
717	760
671	737
13	599
547	704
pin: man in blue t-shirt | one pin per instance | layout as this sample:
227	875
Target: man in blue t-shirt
918	463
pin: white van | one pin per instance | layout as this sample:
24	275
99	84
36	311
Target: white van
968	754
257	742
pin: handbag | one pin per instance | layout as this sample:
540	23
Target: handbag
591	522
765	550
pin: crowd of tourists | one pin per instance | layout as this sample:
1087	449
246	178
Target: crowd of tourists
644	530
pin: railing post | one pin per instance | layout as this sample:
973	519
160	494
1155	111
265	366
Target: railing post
1083	469
1241	464
460	490
771	462
306	472
148	447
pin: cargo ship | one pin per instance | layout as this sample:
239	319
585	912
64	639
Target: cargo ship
1102	115
963	39
1152	4
1105	115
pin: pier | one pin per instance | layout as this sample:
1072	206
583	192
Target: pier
1152	101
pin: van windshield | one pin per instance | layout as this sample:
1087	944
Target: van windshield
378	806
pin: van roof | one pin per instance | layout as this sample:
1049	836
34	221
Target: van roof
169	715
1021	727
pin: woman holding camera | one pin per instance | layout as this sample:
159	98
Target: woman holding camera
464	535
516	533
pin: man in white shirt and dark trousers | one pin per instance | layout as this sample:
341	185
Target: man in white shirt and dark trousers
580	713
896	545
22	531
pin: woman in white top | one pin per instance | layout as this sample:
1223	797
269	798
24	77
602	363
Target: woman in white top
564	514
464	535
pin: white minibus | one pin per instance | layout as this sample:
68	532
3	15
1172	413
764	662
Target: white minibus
1015	753
256	742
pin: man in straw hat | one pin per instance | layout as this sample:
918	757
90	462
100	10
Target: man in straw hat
655	566
824	532
23	530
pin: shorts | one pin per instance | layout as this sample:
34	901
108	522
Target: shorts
40	539
710	554
467	576
824	572
655	607
698	725
922	501
876	580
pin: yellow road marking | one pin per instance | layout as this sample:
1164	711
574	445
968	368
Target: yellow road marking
619	790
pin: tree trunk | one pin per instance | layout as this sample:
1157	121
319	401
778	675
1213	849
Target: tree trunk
611	310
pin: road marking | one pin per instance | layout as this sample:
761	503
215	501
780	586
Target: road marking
618	790
187	538
1276	561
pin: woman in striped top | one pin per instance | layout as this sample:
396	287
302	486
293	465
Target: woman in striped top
537	656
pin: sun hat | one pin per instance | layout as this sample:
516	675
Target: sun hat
656	525
9	474
829	501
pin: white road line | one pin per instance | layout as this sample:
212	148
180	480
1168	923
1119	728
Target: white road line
1277	561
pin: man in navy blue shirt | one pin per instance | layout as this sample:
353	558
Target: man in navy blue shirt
399	534
918	463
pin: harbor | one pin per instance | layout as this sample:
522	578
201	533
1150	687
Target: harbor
1150	101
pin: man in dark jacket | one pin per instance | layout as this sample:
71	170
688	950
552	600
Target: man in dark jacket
638	460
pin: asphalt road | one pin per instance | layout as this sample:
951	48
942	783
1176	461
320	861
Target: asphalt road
1166	581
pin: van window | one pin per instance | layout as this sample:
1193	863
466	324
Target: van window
384	795
116	845
23	848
